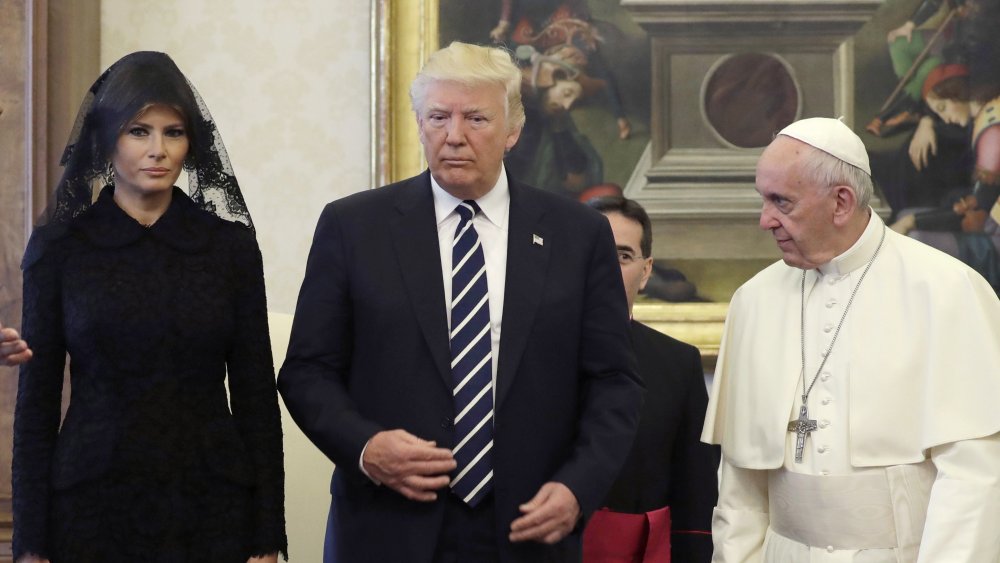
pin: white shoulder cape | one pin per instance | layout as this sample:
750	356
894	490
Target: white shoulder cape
924	360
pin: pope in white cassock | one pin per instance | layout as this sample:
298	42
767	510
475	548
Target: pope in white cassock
857	393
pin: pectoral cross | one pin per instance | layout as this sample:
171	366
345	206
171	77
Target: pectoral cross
802	426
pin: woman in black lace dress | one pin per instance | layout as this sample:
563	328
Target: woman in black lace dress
156	296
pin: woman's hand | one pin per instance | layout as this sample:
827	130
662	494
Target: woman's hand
13	350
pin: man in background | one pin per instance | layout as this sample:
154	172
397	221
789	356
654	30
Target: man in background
660	507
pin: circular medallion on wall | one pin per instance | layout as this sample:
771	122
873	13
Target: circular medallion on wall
748	97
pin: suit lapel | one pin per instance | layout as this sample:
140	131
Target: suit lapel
528	248
414	236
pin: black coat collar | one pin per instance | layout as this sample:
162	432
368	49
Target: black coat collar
184	226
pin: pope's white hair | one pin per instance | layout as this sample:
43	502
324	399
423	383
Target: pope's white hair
827	171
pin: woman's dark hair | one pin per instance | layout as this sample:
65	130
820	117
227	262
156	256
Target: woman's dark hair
127	89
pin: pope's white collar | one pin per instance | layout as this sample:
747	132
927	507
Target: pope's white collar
859	253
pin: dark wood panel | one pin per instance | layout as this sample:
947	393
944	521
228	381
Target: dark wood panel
14	133
74	61
15	123
51	54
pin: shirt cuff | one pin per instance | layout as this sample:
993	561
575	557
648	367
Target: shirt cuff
361	464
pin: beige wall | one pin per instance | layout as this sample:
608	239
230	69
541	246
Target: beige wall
288	84
307	471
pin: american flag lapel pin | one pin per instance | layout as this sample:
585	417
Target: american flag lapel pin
535	239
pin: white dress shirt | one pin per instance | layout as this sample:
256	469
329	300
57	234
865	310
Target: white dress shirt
491	226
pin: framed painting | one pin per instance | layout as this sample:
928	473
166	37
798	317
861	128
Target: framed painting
931	126
668	101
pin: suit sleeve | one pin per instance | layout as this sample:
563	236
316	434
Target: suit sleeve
694	488
611	390
313	380
964	510
741	518
254	399
39	398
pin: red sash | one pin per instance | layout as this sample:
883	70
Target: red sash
618	537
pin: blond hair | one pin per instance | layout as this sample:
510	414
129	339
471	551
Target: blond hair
472	65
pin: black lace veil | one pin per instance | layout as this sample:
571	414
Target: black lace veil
124	90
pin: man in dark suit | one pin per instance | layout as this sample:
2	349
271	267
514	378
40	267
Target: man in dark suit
669	466
460	347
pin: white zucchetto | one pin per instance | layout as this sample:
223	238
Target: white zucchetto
831	136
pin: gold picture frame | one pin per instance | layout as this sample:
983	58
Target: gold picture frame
404	33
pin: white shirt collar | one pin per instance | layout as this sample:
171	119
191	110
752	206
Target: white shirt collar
860	252
495	204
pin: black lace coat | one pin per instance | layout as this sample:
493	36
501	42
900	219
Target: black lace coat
149	464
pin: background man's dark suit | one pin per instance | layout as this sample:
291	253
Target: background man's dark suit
669	465
369	351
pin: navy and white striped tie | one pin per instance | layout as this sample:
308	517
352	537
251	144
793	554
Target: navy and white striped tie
471	362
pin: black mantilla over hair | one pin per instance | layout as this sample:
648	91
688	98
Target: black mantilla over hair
630	209
129	89
122	93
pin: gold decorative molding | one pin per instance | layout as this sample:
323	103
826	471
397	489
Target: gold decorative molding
698	324
404	33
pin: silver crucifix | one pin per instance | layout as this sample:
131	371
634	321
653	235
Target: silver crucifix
802	426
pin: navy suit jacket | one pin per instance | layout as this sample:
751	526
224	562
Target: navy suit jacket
369	351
